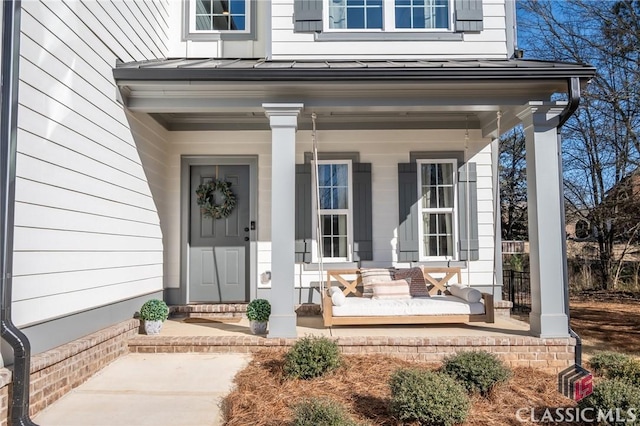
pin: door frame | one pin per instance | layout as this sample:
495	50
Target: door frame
186	161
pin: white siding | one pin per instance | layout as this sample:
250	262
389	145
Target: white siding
384	149
490	43
88	189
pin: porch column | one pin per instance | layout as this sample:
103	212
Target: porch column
283	119
548	316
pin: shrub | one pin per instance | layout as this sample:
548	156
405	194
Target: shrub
154	310
259	310
320	412
311	357
427	397
608	362
614	365
610	395
478	371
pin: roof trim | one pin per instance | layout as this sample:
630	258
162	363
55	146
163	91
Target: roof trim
262	70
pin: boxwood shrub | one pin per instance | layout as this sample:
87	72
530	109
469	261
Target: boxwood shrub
311	357
478	371
428	397
320	412
614	399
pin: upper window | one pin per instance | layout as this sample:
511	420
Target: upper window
437	208
389	15
334	182
219	15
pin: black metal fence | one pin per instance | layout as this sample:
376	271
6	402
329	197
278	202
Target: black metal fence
517	289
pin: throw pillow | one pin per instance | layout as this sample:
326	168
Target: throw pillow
338	298
397	289
418	285
374	275
471	295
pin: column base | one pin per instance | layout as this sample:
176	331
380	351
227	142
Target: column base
549	325
283	326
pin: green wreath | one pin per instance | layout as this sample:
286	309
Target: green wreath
205	196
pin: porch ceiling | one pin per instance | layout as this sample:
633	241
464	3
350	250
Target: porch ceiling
207	94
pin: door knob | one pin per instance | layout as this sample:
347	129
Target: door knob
246	229
246	238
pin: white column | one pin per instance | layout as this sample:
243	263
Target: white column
283	119
548	316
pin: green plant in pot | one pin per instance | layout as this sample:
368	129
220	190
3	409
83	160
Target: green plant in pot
154	312
258	312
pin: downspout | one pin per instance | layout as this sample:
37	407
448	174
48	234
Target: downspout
572	106
19	405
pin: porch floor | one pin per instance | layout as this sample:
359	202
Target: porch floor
312	325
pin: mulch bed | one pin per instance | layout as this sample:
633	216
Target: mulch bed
263	396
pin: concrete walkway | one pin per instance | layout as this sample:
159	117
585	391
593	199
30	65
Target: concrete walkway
150	389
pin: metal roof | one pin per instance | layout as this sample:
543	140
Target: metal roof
183	69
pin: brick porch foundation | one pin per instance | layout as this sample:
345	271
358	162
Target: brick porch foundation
550	355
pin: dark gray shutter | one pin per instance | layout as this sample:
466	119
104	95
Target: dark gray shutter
468	212
303	234
468	16
408	238
307	16
362	214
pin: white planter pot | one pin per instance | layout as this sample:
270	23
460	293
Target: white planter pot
152	327
258	327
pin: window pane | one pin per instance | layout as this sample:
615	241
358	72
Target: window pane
447	173
340	175
340	247
237	23
203	6
324	173
444	223
341	199
203	23
446	196
355	18
429	197
431	246
326	247
325	224
325	198
221	23
341	225
374	15
237	7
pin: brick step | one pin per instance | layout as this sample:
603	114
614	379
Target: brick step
209	310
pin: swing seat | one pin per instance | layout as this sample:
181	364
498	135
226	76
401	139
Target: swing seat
440	307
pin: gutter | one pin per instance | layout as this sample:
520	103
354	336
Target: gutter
19	405
572	106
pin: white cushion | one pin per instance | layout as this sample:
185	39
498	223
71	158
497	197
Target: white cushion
338	298
334	290
471	295
434	305
398	289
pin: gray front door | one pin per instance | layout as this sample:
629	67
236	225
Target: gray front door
219	248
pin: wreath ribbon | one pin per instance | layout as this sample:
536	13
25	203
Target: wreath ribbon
205	197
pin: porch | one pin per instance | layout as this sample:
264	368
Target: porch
508	338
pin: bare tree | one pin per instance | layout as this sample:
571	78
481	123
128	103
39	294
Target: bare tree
600	143
513	186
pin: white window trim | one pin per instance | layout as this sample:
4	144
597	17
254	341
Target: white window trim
388	21
247	21
454	210
315	258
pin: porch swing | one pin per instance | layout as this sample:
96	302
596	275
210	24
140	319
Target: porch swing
338	309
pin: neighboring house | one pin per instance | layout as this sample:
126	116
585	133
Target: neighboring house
125	107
